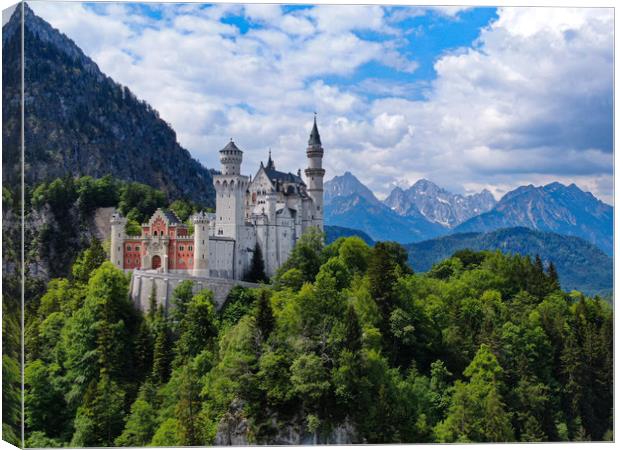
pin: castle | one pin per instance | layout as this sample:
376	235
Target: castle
271	211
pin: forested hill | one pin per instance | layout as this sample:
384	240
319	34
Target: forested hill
345	346
78	121
333	232
580	264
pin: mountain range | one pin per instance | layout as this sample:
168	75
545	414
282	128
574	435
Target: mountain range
555	207
78	121
425	211
348	203
438	205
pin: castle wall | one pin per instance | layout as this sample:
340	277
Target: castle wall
221	257
142	283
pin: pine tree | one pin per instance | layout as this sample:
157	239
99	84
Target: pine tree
199	327
162	353
152	303
99	419
256	274
188	407
554	279
88	260
352	330
143	349
142	421
264	315
538	285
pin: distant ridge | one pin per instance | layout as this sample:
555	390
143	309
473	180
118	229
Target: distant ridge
580	264
333	232
555	207
80	122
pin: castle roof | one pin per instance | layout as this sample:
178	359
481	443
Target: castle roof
171	217
231	146
315	137
283	177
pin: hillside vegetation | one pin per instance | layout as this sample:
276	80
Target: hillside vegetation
347	345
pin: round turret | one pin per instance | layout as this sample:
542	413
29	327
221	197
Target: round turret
201	244
117	237
230	158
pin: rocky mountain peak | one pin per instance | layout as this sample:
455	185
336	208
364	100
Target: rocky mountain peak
346	185
438	205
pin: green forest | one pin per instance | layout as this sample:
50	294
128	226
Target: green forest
482	348
345	344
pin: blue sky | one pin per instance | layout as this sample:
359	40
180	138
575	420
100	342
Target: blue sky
469	98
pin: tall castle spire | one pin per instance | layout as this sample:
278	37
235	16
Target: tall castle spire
315	137
270	164
314	174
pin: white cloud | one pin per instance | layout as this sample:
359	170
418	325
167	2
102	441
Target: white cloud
530	102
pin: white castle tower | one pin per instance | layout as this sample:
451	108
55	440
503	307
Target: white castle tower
230	188
314	175
117	235
201	244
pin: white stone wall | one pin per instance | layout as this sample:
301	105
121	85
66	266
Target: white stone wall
229	204
201	246
221	257
142	284
117	238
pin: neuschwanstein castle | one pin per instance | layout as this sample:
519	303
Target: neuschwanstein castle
272	210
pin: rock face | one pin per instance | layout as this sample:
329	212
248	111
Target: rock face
554	207
438	205
234	429
79	122
346	185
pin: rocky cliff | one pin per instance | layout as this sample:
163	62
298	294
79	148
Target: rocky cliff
78	121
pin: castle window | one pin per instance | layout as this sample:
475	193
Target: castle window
181	248
190	248
191	261
181	261
129	248
137	248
